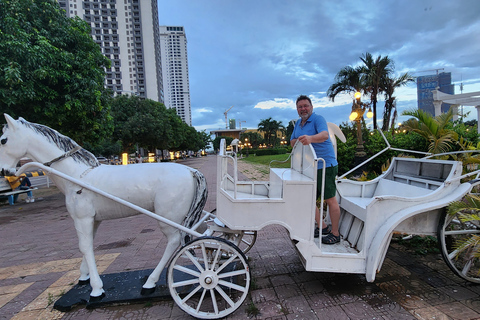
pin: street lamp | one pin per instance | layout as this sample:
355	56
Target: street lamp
246	145
358	110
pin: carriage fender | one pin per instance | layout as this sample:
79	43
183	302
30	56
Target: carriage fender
376	251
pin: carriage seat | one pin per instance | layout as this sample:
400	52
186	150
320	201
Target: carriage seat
406	178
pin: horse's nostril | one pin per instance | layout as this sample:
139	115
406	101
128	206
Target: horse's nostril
4	141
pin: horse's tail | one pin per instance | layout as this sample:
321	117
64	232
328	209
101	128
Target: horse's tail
198	202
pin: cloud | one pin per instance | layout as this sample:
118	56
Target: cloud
276	103
260	55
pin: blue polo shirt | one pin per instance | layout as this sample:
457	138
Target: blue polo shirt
316	124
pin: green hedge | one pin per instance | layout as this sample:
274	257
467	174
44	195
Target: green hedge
269	152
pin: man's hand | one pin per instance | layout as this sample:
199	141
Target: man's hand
305	139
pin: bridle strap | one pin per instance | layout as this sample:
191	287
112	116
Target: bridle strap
63	156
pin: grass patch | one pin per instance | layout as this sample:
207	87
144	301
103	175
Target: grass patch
421	245
252	309
265	160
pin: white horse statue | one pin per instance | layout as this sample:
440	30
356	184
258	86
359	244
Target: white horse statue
173	191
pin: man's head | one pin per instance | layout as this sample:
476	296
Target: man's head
304	107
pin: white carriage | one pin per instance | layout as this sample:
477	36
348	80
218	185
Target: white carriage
209	276
410	197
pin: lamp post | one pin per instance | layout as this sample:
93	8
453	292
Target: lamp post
358	109
246	145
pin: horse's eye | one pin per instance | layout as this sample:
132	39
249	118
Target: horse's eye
4	141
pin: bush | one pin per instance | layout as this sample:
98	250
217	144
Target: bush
269	152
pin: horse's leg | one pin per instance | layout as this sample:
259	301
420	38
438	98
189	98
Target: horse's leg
85	227
173	242
84	274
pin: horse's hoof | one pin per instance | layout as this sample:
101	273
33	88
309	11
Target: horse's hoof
83	282
98	298
147	291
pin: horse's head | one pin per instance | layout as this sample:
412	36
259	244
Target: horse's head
13	145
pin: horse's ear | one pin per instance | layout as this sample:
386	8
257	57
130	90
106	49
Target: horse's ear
10	121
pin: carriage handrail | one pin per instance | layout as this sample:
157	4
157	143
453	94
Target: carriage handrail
451	152
235	174
108	195
389	147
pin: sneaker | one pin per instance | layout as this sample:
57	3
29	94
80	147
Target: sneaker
32	199
27	200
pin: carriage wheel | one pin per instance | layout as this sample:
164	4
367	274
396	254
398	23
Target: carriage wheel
242	239
452	231
209	278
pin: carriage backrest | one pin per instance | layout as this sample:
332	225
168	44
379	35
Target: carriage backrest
425	173
304	160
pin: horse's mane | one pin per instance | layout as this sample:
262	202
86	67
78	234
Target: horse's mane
64	143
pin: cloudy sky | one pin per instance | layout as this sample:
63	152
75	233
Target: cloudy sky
259	55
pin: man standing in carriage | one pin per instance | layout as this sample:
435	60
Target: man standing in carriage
312	129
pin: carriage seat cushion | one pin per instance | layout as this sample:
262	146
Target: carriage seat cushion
385	187
393	188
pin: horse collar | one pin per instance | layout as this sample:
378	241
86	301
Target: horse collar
63	156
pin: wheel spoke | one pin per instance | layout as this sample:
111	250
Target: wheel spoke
467	267
232	285
233	273
461	232
185	283
225	296
194	260
187	270
191	294
217	257
214	301
200	301
453	254
205	257
226	263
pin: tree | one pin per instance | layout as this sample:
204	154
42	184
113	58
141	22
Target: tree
433	129
147	123
375	71
389	84
216	142
289	130
51	70
270	128
347	80
254	138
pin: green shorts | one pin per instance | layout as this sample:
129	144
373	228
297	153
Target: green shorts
330	186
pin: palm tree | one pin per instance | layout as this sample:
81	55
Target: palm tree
375	71
433	129
347	80
270	128
389	85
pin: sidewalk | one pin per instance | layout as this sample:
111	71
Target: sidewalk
39	260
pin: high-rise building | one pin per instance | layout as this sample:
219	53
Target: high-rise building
425	86
128	33
175	71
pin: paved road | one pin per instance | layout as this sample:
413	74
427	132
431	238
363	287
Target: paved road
39	261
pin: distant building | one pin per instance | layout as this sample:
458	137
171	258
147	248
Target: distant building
234	133
128	33
426	84
175	71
